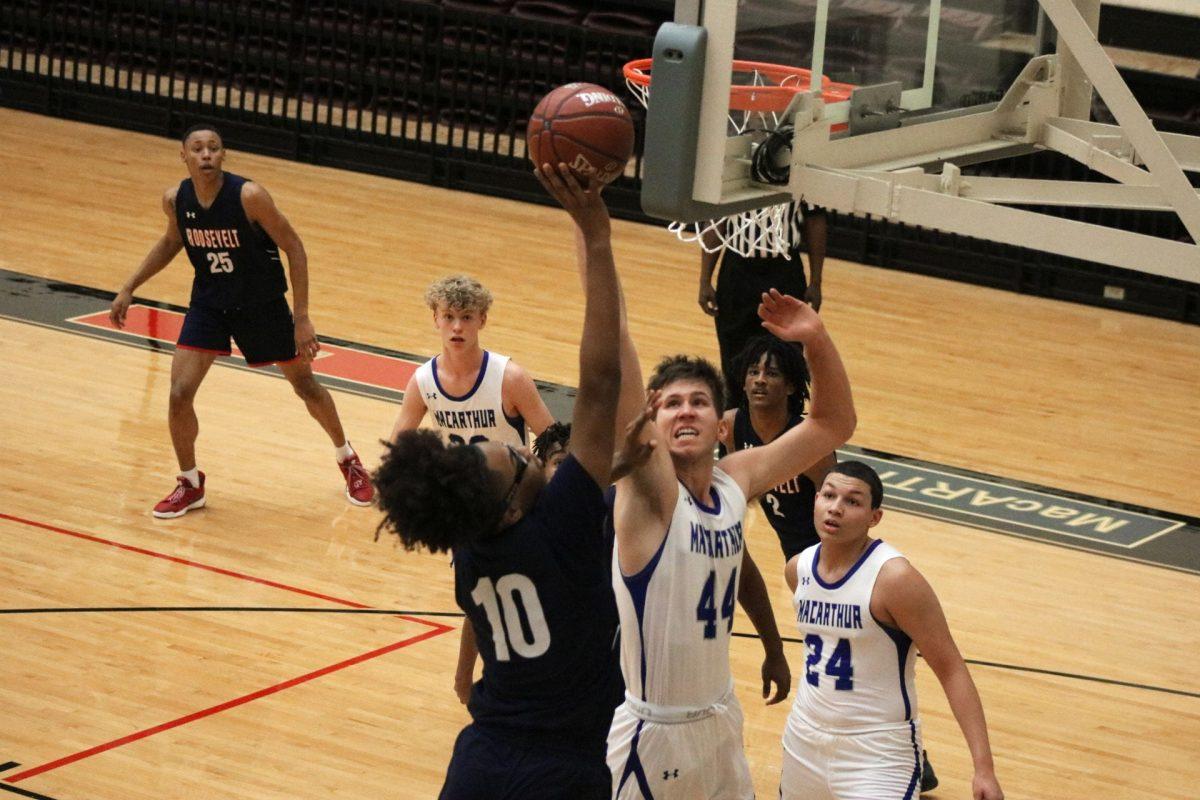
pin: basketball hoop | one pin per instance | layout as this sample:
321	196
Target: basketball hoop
758	97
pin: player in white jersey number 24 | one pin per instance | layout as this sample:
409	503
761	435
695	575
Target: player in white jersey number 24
863	612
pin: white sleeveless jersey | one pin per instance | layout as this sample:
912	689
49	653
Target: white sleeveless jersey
477	415
677	613
858	675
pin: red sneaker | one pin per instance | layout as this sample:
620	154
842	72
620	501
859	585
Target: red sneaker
358	483
182	500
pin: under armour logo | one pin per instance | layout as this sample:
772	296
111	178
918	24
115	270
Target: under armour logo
431	395
805	581
191	214
668	774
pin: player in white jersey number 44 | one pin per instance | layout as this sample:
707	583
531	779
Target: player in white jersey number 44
863	612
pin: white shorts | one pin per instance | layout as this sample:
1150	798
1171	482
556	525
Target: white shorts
881	765
699	759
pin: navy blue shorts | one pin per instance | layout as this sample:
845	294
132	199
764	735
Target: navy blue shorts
265	333
487	765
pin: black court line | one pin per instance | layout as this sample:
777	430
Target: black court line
8	787
1035	670
6	766
391	612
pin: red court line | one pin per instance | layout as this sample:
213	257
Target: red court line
437	629
345	363
219	570
133	737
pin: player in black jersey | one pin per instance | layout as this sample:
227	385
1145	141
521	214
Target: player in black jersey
531	562
774	378
233	233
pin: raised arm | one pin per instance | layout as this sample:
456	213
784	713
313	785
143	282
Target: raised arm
593	424
831	418
261	210
165	249
907	601
632	400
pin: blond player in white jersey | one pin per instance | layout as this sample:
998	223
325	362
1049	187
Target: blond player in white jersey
471	395
864	611
680	562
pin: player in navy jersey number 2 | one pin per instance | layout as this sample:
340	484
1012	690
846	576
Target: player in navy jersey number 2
863	611
233	232
531	567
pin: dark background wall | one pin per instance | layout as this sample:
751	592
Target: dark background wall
439	91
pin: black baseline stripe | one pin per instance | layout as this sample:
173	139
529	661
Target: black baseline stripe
6	766
395	612
1036	670
7	787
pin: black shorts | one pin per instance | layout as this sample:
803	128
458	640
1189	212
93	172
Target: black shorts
265	333
490	766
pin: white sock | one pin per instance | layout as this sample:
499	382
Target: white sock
193	477
344	452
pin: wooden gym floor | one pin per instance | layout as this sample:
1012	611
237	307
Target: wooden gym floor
1090	682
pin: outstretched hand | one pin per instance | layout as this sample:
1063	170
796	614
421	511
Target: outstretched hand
634	452
790	319
584	205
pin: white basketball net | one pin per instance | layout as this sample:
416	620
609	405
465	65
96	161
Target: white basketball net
758	232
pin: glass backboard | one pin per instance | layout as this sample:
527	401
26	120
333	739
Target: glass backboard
924	56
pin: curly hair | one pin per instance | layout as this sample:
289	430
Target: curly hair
681	368
557	434
458	291
431	494
789	360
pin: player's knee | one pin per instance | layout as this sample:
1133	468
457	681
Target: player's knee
307	389
181	397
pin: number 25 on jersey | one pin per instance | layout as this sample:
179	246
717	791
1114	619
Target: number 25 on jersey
219	262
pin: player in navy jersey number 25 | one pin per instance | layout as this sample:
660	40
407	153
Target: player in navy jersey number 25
233	233
531	567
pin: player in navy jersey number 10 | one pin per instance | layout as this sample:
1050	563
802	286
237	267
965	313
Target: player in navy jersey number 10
233	233
531	567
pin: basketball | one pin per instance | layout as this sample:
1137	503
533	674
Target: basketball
584	126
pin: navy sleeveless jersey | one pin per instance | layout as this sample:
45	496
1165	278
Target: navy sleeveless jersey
236	262
539	597
788	506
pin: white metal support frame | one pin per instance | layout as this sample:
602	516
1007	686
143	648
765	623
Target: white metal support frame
908	174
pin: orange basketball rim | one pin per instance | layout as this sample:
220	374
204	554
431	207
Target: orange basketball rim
771	88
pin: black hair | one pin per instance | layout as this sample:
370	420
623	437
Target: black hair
678	368
789	360
557	434
435	496
863	472
201	126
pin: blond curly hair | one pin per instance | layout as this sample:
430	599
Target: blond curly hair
459	291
